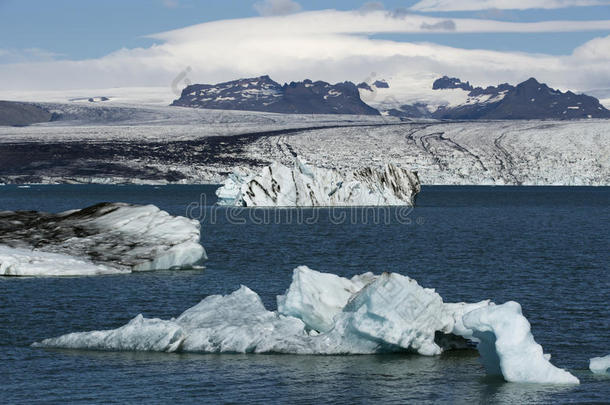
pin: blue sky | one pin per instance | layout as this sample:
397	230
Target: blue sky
80	29
94	44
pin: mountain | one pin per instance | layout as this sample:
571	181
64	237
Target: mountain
528	100
21	114
263	94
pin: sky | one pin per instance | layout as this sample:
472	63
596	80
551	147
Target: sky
67	44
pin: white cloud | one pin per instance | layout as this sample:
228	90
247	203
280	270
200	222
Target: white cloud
446	25
371	6
328	45
277	7
472	5
596	49
26	55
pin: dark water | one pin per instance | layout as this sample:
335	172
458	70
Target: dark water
547	248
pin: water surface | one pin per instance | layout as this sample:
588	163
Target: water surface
545	247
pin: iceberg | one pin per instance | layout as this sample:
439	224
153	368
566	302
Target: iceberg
25	262
600	365
508	348
323	313
106	238
303	185
316	298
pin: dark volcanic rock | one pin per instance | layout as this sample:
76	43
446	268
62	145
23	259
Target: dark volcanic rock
447	82
264	94
22	114
417	110
121	236
527	100
364	86
381	84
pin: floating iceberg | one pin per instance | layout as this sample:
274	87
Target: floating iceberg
25	262
102	239
307	186
327	314
600	365
508	348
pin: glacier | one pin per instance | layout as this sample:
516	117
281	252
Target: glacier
303	185
600	365
127	142
323	313
106	238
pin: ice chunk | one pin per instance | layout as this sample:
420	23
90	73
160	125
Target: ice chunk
395	310
507	347
307	186
326	314
25	262
316	298
600	365
117	236
453	318
140	334
366	314
236	323
240	323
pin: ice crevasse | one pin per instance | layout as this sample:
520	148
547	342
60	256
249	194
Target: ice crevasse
323	313
304	185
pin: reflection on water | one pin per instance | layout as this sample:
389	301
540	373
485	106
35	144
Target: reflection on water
307	379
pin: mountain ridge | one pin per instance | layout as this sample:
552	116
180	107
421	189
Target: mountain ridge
264	94
529	99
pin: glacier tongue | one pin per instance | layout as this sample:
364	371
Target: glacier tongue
101	239
308	186
327	314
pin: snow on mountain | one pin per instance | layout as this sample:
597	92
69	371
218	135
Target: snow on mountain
527	100
326	314
302	185
104	238
264	94
116	96
403	94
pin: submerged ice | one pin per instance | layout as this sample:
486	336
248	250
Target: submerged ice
101	239
303	185
326	314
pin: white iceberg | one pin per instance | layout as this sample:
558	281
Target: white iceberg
25	262
327	314
102	239
600	365
316	298
508	348
307	186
